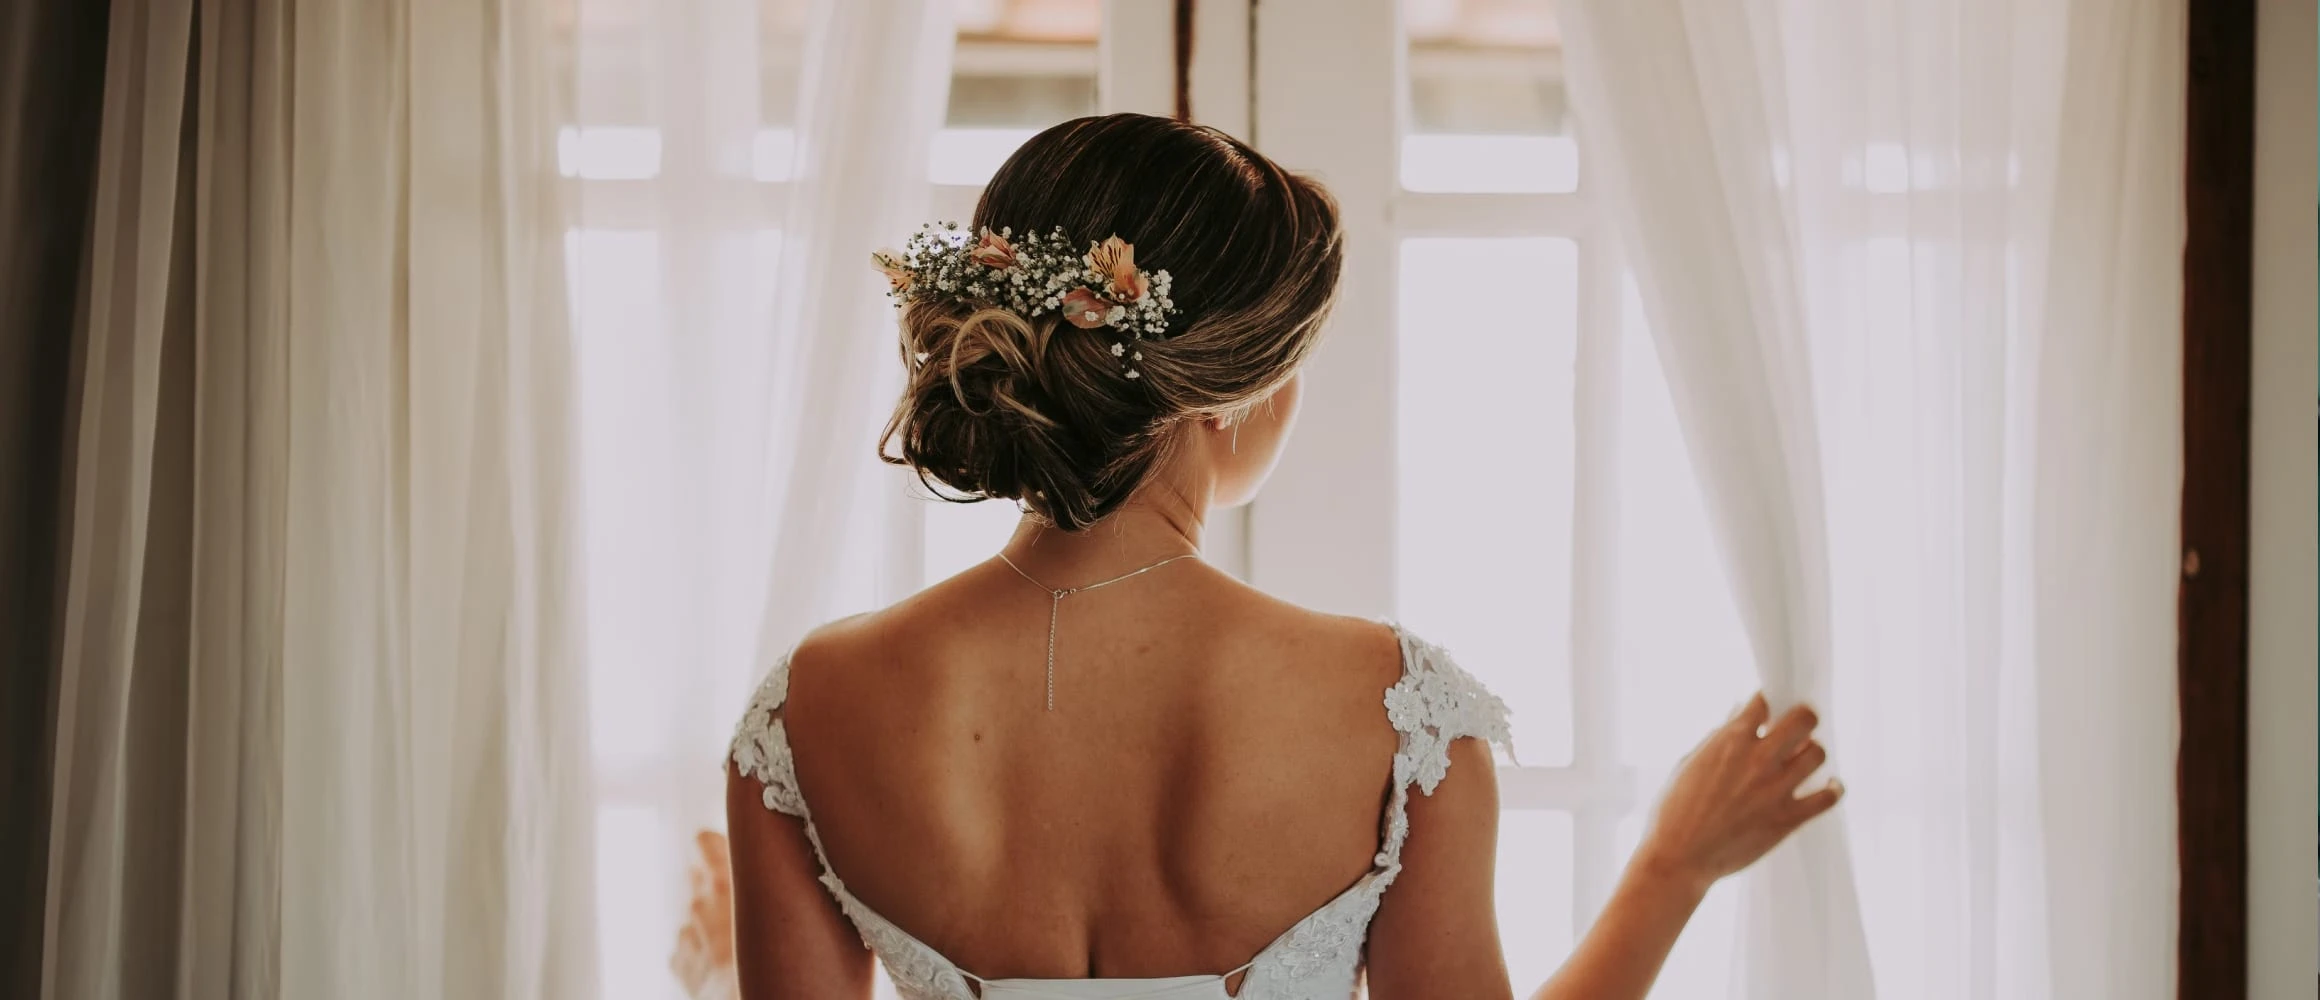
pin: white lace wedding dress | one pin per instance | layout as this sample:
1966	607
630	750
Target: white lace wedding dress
1319	957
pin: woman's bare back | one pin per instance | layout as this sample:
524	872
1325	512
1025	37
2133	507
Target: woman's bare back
1214	768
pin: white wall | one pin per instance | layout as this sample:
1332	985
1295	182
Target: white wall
2284	780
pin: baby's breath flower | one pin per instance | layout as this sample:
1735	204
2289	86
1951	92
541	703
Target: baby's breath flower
1033	274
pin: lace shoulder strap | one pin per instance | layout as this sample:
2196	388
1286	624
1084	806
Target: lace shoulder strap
761	748
1434	705
761	751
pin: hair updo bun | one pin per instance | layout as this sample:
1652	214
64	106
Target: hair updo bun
999	406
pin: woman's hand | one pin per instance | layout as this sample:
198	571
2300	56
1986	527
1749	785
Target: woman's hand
1736	797
1731	801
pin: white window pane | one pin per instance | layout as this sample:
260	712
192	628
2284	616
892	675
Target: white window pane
763	261
1486	344
773	154
959	535
1490	163
1684	661
615	282
626	413
1891	168
1487	109
639	864
609	152
971	155
1534	893
1885	168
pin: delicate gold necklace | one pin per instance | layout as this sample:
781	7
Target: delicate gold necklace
1055	603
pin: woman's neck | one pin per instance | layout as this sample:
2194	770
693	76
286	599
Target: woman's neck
1156	524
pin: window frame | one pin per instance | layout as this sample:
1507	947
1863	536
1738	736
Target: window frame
1324	533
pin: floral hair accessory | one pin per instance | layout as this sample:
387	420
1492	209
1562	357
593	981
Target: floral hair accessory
1032	275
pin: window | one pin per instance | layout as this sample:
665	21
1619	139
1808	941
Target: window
1530	504
679	153
1488	452
1020	67
1486	105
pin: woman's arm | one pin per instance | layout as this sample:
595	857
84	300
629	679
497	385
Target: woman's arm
1623	952
1436	930
790	940
1731	801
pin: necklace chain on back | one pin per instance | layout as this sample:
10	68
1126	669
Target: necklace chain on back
1055	604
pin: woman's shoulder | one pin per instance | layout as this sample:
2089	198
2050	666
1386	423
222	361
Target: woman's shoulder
1437	703
1426	694
1228	608
1421	685
1424	682
1236	607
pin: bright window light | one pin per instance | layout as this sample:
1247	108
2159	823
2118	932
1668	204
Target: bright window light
1885	168
1487	341
609	153
1476	164
1534	892
971	155
634	847
625	421
1683	660
773	154
959	535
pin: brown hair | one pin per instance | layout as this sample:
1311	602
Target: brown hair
1038	411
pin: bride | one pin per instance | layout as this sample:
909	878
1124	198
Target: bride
1094	766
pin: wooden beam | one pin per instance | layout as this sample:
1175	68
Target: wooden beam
2212	665
1184	36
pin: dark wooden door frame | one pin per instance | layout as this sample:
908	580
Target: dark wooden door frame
2212	608
1184	36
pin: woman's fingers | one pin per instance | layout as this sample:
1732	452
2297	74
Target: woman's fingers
1802	766
1750	718
1790	733
1818	802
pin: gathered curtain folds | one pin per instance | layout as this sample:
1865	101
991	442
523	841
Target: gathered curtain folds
873	93
737	358
321	716
1912	268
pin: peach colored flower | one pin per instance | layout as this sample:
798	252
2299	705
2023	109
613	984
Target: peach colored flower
704	956
1114	261
1085	309
993	251
889	262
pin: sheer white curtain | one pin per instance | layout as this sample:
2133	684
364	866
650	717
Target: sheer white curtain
736	161
1912	270
320	703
